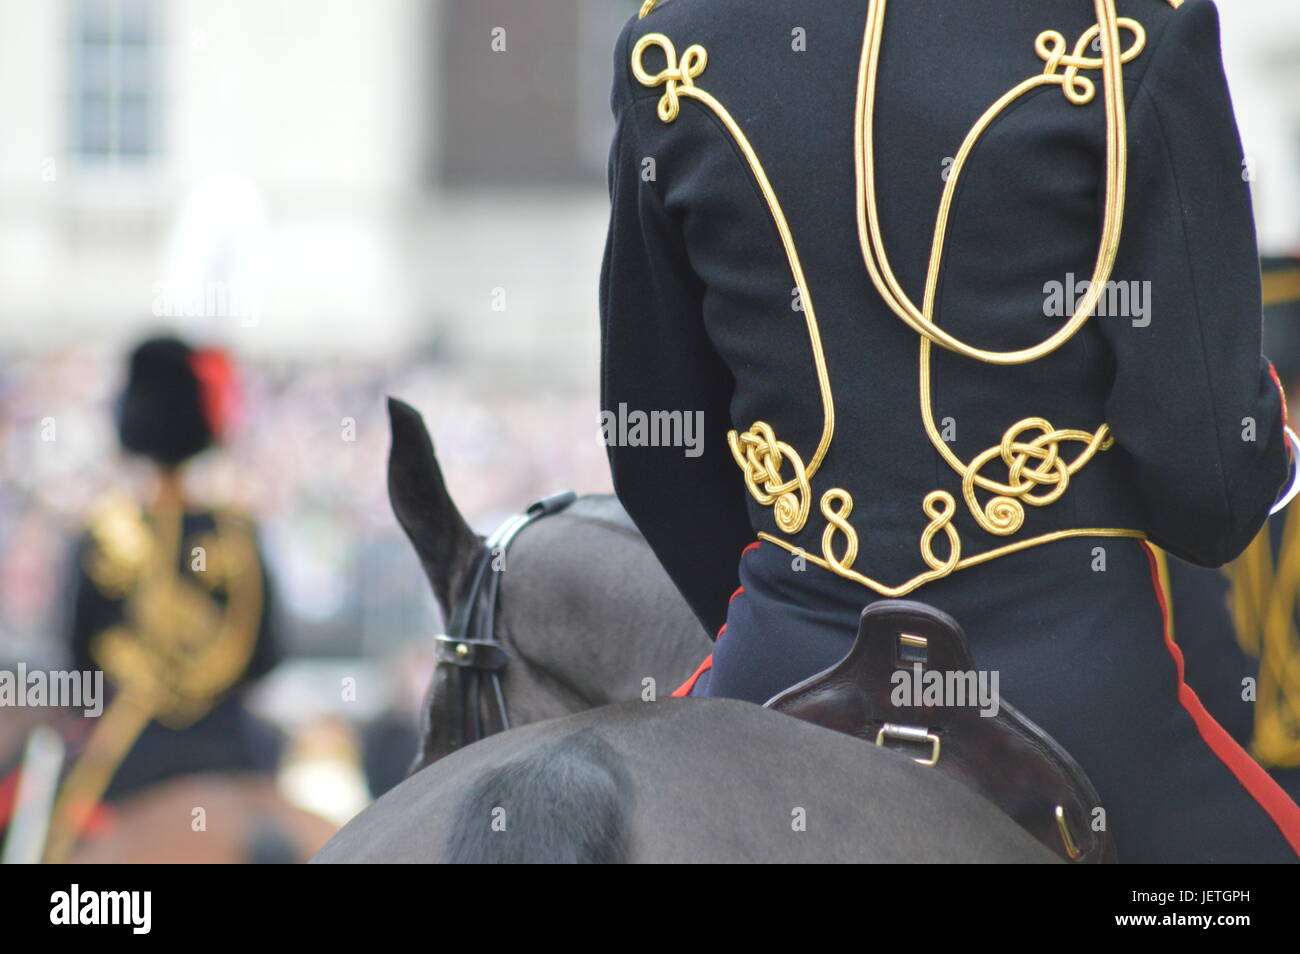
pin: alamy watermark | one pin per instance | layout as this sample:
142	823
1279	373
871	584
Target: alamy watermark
1130	299
56	688
635	428
75	906
959	688
207	300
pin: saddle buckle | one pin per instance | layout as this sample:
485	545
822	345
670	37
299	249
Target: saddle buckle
910	733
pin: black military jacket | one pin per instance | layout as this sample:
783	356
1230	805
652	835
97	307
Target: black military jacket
733	115
182	635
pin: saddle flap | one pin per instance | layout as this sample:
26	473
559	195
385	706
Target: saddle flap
857	695
910	682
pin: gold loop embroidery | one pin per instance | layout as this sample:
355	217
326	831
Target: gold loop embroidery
921	320
1030	464
694	60
757	451
1037	471
1080	90
761	456
836	506
940	508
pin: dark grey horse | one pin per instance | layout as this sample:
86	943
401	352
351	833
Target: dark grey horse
680	780
600	765
586	612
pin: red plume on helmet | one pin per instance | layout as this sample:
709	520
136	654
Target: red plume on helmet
218	388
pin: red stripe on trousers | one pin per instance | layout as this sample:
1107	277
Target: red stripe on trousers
685	688
1258	784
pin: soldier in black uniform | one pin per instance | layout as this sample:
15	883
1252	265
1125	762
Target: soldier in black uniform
172	602
968	298
1265	590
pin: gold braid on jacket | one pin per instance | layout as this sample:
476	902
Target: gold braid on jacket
1035	468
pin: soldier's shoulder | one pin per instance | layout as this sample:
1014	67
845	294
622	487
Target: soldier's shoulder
1178	32
1161	16
699	21
654	14
712	23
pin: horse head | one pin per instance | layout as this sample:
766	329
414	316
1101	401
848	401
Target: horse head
585	615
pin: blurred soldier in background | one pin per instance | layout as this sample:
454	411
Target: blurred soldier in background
1266	578
1251	683
171	601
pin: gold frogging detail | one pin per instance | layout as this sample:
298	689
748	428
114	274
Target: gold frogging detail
673	75
1050	47
1030	464
759	453
761	456
836	506
1037	472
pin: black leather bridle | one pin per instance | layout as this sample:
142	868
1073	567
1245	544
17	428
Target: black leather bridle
470	645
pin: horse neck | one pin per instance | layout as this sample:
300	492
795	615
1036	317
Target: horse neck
592	616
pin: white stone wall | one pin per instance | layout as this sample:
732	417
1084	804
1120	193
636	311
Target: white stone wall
298	132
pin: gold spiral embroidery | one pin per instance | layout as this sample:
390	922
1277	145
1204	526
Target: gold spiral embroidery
673	75
1079	90
1030	464
761	457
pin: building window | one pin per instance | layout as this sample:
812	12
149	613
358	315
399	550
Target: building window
115	66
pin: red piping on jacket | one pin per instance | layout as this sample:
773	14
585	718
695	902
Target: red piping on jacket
1281	393
1257	783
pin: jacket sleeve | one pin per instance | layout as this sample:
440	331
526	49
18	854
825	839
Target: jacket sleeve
1193	404
688	501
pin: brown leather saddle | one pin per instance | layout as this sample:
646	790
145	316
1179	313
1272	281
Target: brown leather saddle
872	693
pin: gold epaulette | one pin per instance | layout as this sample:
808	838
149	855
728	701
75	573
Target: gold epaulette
121	545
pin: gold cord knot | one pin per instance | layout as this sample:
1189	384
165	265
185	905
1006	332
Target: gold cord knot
693	62
761	456
1030	464
1050	46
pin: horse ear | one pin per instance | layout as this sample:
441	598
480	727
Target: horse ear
442	539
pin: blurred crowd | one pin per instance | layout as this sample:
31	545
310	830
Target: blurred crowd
307	460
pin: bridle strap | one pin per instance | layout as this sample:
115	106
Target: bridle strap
470	647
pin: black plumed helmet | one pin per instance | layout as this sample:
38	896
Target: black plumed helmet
160	414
